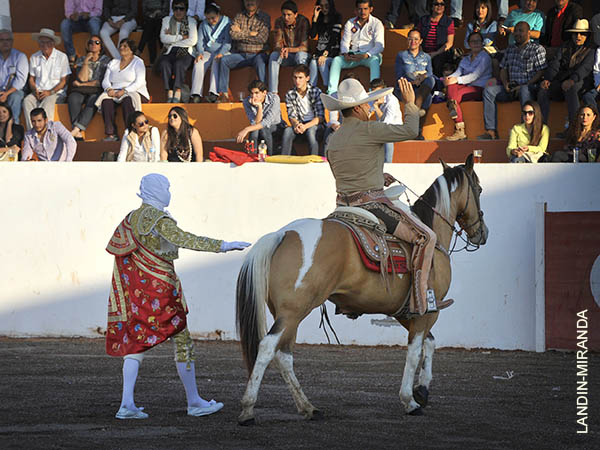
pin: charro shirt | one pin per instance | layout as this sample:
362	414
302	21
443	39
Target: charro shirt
356	154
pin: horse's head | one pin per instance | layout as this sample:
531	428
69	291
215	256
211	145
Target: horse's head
469	214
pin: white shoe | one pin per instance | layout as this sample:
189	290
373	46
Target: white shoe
126	413
198	411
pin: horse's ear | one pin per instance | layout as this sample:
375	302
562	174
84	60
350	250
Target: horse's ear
444	165
469	163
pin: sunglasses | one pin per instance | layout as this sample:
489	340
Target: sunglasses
528	112
439	4
142	123
93	41
179	8
173	116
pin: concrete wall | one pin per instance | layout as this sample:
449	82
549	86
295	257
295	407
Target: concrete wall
57	219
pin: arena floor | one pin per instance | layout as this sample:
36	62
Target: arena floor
63	393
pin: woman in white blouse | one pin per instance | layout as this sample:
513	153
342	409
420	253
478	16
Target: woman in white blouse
141	142
124	84
179	35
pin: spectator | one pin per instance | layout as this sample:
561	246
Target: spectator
141	142
290	43
568	71
528	140
14	69
48	71
264	113
521	68
327	25
124	84
153	12
589	98
362	45
437	31
527	13
179	35
87	87
482	23
249	35
560	18
415	65
214	41
50	141
118	15
80	16
467	83
335	118
584	134
195	9
11	133
387	110
305	112
180	142
415	9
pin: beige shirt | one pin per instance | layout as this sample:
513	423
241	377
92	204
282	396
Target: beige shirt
356	154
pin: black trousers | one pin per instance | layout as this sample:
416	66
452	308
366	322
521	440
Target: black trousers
150	36
108	114
170	65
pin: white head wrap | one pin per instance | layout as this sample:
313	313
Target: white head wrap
154	190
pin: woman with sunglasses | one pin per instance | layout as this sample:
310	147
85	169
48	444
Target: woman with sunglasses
141	142
528	140
180	142
437	30
86	88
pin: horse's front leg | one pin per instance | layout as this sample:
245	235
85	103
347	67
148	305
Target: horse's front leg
266	352
421	392
413	357
285	361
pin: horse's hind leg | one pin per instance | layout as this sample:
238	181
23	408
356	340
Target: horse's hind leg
421	392
285	361
266	352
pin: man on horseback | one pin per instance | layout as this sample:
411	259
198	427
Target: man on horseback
356	156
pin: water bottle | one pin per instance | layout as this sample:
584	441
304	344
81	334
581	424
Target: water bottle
262	151
151	155
576	154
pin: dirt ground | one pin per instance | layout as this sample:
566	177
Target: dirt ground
63	393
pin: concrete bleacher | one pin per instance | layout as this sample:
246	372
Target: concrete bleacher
219	123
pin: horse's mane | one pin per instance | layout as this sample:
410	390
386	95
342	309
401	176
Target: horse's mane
438	195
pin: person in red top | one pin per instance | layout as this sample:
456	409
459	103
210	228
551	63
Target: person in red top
559	19
437	31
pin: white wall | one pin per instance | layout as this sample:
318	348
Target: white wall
57	219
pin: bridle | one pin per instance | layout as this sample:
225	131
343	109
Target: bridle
458	232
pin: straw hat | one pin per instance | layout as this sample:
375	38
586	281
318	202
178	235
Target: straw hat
351	93
581	26
48	33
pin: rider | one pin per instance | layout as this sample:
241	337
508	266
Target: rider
356	155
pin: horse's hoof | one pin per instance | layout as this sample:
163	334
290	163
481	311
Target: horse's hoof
247	422
421	395
317	415
416	412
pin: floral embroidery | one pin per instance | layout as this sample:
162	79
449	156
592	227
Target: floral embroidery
155	304
135	309
151	340
175	321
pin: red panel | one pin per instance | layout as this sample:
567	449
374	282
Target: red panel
572	244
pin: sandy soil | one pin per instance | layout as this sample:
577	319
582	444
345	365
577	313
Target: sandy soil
63	393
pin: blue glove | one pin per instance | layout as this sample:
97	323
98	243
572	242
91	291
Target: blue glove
234	245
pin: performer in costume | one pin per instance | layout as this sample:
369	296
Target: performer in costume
356	155
146	304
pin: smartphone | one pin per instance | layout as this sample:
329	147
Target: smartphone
504	26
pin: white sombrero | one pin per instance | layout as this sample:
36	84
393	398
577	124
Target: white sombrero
580	26
48	33
351	93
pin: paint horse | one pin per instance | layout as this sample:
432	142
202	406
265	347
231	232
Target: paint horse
296	269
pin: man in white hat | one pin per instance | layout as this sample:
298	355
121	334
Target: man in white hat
146	305
569	71
356	155
48	71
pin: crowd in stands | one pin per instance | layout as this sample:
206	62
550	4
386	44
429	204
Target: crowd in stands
550	56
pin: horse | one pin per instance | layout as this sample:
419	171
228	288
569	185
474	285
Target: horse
309	261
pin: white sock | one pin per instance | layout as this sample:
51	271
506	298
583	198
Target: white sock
130	373
188	378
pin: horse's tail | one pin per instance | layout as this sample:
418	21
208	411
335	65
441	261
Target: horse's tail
251	295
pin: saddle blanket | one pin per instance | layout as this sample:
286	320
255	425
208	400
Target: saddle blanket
398	261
